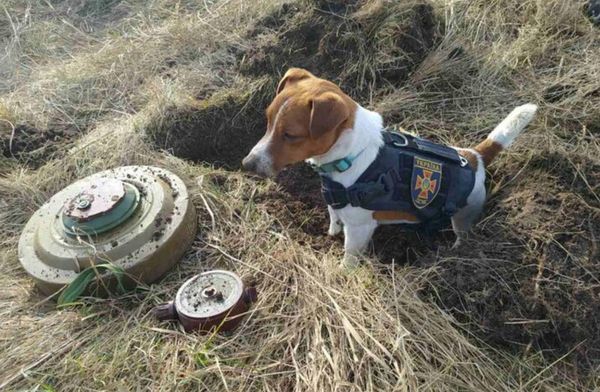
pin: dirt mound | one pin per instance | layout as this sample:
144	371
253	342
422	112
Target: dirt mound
358	44
383	42
33	146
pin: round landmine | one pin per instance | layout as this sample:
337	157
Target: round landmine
214	299
139	218
103	206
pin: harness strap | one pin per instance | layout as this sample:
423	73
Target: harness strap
337	196
407	141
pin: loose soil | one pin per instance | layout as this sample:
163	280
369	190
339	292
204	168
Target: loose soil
33	146
327	36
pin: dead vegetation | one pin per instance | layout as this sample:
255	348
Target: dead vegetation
90	85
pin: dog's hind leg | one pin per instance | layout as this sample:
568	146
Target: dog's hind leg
463	220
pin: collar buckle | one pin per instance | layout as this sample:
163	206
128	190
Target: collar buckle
343	164
339	165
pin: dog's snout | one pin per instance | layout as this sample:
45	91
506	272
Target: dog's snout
257	164
250	163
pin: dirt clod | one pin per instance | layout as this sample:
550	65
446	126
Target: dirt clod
31	145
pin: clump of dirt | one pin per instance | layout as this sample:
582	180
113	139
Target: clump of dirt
31	145
297	204
383	42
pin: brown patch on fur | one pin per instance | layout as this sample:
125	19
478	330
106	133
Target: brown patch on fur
471	157
488	150
394	216
291	76
316	112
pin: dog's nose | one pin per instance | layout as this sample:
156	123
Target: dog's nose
249	163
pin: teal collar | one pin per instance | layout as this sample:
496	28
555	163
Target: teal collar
339	165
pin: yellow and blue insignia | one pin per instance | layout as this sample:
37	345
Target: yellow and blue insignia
426	181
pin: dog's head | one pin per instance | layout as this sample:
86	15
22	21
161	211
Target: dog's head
304	120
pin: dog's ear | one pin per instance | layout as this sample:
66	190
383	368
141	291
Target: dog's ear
328	111
293	75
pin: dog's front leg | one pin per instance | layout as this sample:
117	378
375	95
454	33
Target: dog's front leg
335	224
356	239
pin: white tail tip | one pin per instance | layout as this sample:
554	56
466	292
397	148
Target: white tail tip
508	130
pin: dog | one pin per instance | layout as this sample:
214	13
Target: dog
313	120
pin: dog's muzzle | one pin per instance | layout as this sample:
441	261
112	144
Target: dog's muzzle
258	164
250	163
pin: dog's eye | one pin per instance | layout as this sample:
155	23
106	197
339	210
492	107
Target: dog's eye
290	137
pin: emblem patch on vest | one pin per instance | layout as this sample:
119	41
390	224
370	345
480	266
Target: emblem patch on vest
426	181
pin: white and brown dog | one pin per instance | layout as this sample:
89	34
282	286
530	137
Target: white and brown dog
311	119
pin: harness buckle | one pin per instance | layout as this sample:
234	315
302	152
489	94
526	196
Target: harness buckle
463	161
356	196
386	180
404	142
361	194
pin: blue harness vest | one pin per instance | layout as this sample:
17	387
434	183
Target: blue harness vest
413	175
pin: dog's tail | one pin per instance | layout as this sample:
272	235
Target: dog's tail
506	132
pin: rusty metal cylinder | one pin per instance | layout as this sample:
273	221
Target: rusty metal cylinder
212	300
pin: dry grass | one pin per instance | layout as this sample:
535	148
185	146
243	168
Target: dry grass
111	80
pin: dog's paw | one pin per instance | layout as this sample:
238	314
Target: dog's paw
335	228
350	262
